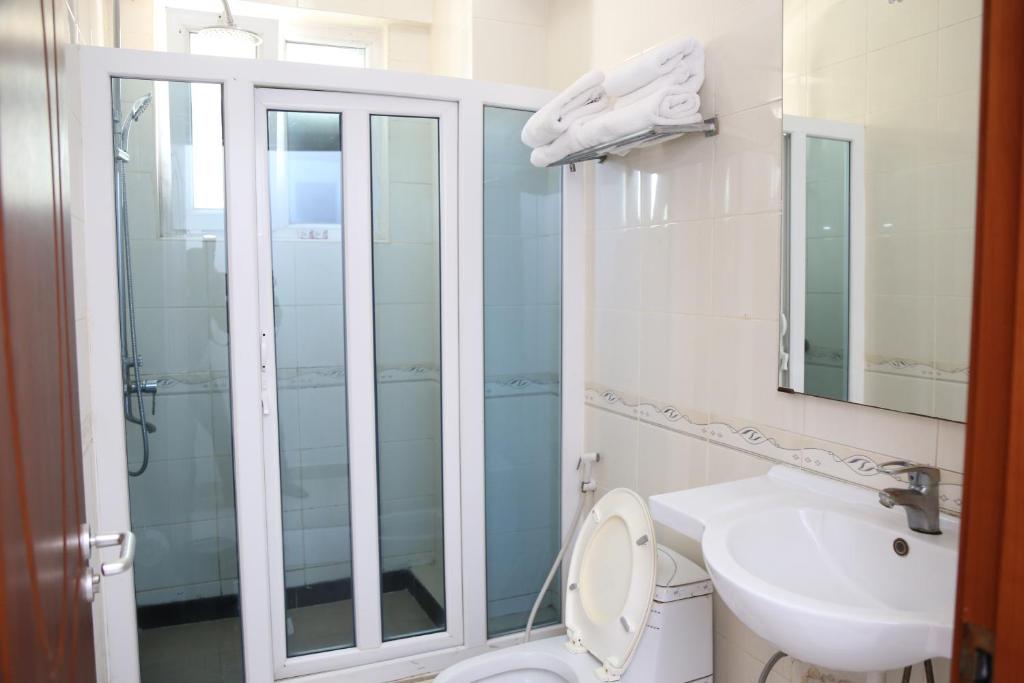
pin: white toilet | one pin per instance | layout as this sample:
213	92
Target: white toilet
634	611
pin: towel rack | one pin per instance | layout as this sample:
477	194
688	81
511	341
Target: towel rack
709	127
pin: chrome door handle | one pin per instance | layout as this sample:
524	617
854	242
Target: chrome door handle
124	561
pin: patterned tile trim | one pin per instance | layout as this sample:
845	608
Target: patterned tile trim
522	385
911	368
844	464
287	378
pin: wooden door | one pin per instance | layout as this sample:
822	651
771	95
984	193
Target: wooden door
45	623
990	599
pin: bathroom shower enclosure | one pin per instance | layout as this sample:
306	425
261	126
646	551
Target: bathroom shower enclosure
351	299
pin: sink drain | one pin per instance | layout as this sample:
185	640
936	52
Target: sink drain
901	547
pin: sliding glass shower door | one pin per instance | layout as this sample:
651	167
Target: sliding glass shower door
360	339
304	170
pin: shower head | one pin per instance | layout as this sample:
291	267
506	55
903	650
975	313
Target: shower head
138	108
229	29
140	105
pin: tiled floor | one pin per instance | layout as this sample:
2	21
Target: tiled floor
210	651
203	652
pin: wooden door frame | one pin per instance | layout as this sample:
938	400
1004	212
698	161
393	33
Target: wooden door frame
990	591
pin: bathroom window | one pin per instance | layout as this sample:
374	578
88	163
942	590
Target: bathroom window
215	45
206	134
320	53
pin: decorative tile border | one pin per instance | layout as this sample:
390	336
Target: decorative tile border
333	376
522	385
287	378
826	459
912	368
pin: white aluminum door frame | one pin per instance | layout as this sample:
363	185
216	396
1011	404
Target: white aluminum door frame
355	111
95	263
799	128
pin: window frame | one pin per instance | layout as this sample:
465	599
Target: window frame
365	47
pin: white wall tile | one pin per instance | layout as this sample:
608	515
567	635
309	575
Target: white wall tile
676	266
667	461
533	12
494	41
569	32
617	195
317	272
952	11
899	392
177	555
319	335
951	400
745	55
616	439
748	162
746	258
727	464
908	437
890	22
615	349
674	360
743	381
838	91
617	34
836	31
905	72
952	436
409	44
959	58
321	412
617	256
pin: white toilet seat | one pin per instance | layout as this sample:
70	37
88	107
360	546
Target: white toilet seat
539	661
611	581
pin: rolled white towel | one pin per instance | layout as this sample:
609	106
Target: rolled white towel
652	64
689	76
584	97
668	106
562	146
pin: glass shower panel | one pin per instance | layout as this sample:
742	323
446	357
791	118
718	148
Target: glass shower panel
522	374
407	331
304	176
176	387
827	329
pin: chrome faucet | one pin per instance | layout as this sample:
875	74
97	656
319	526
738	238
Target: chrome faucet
920	499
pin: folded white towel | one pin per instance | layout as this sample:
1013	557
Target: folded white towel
582	98
652	64
668	106
562	146
689	76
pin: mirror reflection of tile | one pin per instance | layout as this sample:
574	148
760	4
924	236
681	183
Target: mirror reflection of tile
886	303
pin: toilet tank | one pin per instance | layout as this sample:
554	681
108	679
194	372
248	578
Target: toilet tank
677	642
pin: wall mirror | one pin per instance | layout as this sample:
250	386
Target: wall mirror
880	130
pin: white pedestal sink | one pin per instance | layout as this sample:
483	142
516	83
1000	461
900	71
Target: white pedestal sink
809	565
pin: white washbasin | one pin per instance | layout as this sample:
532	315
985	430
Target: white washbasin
809	565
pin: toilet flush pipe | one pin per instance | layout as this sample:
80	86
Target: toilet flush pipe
585	467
